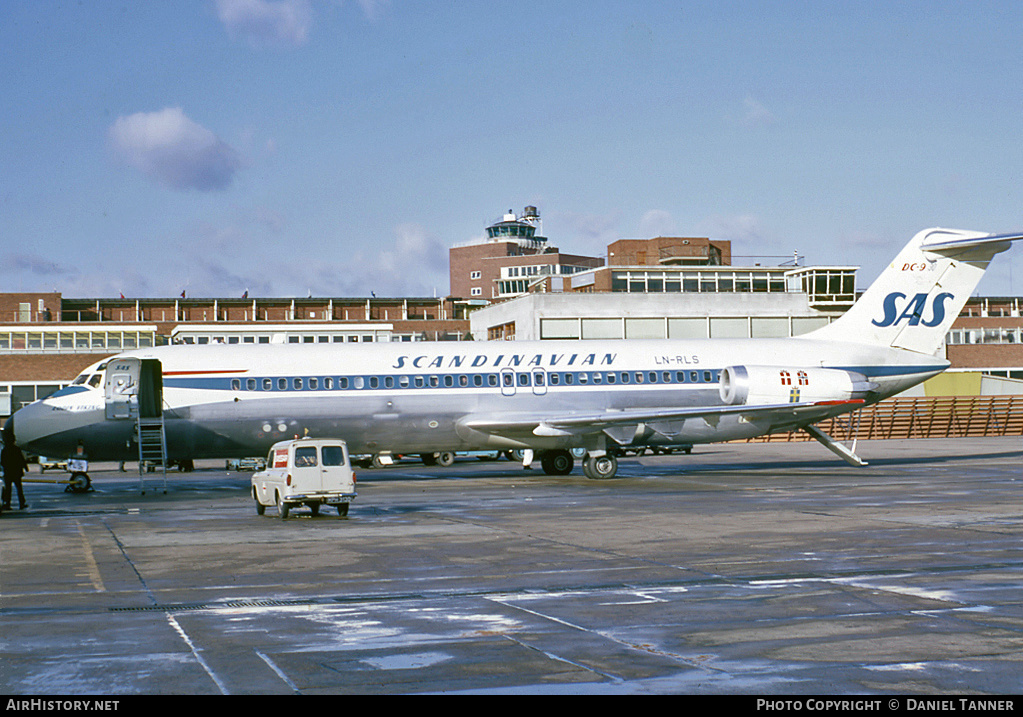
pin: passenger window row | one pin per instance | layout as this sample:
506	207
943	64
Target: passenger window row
522	379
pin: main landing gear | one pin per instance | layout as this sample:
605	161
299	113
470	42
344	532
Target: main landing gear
600	467
559	462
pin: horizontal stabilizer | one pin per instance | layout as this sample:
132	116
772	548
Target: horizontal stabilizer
991	244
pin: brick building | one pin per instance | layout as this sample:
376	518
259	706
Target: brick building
669	251
511	261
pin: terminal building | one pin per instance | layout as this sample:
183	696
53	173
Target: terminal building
47	339
673	287
510	285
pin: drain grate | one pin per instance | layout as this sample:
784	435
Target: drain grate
234	604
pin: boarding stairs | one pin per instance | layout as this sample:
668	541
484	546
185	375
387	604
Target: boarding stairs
152	442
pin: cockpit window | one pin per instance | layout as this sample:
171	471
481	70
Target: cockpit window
92	380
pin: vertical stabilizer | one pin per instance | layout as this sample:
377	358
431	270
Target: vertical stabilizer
914	301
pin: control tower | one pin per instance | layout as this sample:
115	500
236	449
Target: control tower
521	229
510	260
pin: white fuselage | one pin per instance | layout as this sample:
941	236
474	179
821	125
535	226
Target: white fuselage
549	396
223	401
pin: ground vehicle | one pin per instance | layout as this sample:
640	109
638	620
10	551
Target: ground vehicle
305	471
440	458
245	464
46	464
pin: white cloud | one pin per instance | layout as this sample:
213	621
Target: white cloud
657	222
415	263
264	23
418	263
373	8
591	232
173	150
754	114
748	236
33	264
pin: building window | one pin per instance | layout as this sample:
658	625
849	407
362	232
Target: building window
559	328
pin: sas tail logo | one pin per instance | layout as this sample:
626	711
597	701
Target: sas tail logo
913	310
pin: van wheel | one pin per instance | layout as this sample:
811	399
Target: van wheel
315	508
282	508
342	510
260	508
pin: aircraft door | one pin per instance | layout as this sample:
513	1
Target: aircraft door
539	382
507	382
121	387
133	387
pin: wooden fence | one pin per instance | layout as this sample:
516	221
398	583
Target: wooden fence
942	417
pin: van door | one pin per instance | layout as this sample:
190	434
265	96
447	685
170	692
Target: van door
306	472
336	476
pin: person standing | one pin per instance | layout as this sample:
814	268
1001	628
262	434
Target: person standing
14	465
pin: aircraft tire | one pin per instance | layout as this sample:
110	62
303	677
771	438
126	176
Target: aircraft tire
557	462
428	459
79	483
600	467
445	458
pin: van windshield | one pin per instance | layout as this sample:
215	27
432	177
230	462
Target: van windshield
333	456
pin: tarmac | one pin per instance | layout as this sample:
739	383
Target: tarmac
750	569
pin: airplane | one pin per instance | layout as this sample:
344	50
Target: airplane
544	397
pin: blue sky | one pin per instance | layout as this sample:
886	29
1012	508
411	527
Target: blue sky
340	147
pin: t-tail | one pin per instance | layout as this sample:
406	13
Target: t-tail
914	301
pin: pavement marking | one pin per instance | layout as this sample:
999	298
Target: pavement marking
280	673
90	561
195	653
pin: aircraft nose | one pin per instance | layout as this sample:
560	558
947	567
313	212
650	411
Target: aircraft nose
25	426
53	425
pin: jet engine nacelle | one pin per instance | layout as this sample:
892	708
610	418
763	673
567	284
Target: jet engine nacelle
760	385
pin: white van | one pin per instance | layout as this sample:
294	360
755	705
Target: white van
305	471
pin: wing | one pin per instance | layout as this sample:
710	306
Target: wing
619	424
